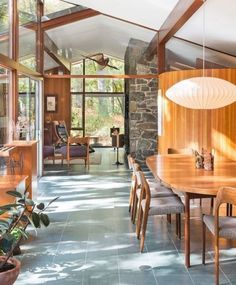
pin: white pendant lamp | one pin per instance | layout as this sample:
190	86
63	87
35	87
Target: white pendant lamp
202	92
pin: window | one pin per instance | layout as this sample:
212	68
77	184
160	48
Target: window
4	27
5	127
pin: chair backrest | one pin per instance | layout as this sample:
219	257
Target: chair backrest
224	195
131	161
145	190
61	131
180	151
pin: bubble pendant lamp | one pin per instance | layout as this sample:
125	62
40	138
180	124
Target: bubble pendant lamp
202	92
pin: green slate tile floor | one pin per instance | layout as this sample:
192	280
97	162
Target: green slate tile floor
91	240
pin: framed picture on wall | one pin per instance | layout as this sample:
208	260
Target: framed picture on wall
51	103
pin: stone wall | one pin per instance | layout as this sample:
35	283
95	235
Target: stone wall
141	102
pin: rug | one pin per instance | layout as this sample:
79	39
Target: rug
95	158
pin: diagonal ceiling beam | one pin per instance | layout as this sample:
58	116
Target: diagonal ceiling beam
52	50
67	19
183	10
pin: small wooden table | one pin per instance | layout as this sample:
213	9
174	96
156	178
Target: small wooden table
180	173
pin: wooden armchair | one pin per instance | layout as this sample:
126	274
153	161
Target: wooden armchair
220	227
76	148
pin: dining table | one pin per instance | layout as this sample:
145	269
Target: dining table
180	173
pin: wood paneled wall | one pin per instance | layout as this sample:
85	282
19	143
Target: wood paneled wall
61	88
183	128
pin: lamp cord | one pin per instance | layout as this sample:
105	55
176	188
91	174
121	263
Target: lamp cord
203	38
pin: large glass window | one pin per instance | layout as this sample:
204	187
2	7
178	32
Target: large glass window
4	105
57	8
26	121
4	27
97	104
182	55
102	113
27	32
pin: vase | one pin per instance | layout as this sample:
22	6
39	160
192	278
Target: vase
9	277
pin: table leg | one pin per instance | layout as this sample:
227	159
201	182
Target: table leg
187	230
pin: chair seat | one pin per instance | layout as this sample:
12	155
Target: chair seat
48	150
164	206
227	226
75	151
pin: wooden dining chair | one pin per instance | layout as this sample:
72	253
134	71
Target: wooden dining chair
150	206
76	148
220	227
156	190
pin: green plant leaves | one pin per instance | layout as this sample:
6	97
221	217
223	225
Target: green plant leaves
44	219
40	206
14	193
9	206
36	220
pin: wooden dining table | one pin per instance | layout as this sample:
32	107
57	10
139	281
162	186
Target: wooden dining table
179	171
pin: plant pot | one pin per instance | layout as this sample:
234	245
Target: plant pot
9	277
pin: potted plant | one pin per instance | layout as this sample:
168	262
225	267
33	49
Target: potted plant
14	221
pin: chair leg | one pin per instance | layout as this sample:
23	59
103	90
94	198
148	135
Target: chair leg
139	222
131	197
168	216
212	202
134	209
216	260
203	242
178	225
144	227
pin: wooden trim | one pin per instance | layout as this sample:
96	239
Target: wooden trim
83	110
131	76
183	10
161	58
67	19
12	64
14	31
39	39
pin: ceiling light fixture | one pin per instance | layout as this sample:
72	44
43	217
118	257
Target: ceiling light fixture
202	92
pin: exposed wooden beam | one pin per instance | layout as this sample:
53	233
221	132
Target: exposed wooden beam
12	64
183	10
67	19
39	39
121	76
52	50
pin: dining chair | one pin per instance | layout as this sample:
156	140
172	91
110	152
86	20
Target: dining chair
156	189
219	226
152	181
150	206
76	148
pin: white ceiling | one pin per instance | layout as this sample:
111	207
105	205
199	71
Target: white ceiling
110	36
149	13
98	34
